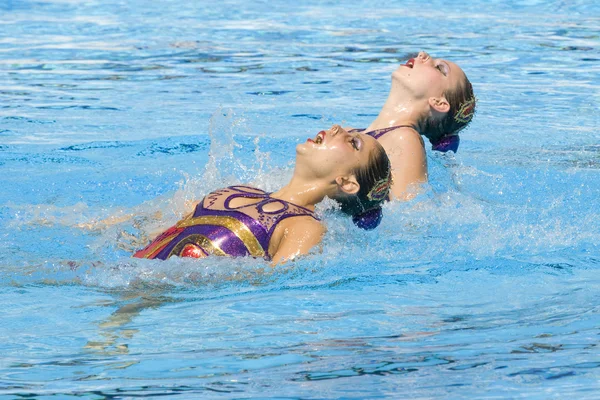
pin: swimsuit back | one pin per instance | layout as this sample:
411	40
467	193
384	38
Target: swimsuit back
217	227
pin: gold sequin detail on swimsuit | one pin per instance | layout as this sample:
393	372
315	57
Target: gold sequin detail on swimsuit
159	246
199	240
234	225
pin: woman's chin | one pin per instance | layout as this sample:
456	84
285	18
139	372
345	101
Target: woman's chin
400	74
302	148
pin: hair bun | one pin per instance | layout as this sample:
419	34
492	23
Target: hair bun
368	220
447	143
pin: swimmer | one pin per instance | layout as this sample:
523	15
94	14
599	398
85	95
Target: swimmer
430	97
352	169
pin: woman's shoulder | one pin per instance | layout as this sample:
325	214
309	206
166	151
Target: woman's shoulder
295	236
300	227
307	222
403	138
404	133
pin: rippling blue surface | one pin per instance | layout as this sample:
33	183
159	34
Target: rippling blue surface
485	286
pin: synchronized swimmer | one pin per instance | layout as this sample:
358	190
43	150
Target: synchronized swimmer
430	97
352	169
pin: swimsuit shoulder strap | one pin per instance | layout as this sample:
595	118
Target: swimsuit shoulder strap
377	133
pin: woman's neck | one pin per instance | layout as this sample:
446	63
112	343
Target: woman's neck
399	109
302	192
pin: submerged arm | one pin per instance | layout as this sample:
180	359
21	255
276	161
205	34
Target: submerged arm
121	217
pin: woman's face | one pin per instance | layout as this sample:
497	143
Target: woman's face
427	77
334	152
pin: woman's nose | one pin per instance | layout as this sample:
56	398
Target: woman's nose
423	56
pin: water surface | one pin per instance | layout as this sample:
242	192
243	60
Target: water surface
485	286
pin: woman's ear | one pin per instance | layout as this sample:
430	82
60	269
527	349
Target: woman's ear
439	104
347	184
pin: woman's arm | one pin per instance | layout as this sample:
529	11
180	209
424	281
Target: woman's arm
295	237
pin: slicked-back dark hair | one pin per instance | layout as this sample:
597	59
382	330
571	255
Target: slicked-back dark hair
376	172
449	124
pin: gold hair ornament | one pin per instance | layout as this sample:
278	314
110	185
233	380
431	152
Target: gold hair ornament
466	111
380	190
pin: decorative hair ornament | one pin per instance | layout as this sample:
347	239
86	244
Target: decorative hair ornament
370	219
380	190
466	111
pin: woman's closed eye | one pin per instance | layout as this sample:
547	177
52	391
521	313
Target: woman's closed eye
356	143
443	68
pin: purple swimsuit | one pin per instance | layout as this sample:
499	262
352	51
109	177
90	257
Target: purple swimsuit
218	228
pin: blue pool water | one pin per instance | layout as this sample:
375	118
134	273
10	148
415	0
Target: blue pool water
486	286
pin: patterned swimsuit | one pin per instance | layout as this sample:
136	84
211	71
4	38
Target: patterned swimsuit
217	228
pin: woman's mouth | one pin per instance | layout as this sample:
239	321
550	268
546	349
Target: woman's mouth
410	63
319	138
